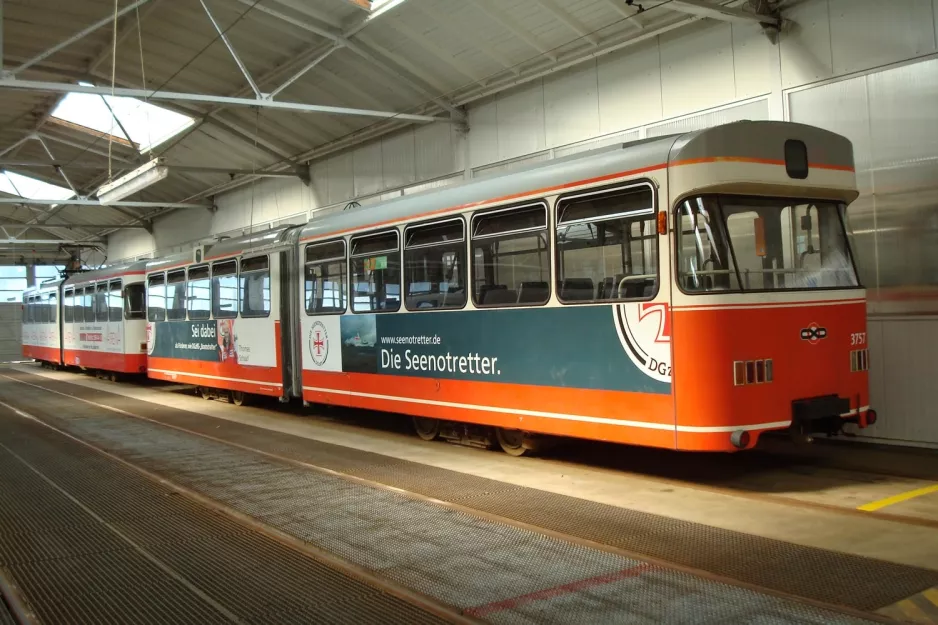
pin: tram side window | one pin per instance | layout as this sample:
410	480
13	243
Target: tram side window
607	246
325	272
156	298
511	257
376	272
100	303
199	288
255	287
176	295
87	305
44	308
135	302
225	289
115	303
28	309
68	306
434	265
53	307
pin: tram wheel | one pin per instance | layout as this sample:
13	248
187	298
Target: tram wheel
427	429
512	442
205	393
238	398
112	377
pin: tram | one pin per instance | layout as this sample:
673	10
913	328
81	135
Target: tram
41	329
688	292
104	320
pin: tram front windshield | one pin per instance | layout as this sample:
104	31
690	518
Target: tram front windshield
731	244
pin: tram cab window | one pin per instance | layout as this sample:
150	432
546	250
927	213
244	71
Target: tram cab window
255	287
735	243
607	245
325	272
135	302
225	289
68	306
511	257
156	297
376	272
435	265
176	295
115	303
199	291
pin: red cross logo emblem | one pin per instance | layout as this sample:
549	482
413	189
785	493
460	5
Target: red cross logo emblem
318	344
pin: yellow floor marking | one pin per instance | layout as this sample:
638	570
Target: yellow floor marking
913	612
888	501
932	595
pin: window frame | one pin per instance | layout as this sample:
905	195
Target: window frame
68	304
208	313
149	277
652	212
792	201
215	300
111	284
97	301
467	260
240	262
126	299
176	272
54	306
400	257
541	202
346	278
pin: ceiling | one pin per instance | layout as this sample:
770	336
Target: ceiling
426	57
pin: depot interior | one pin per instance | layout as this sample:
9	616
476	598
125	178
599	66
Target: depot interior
430	93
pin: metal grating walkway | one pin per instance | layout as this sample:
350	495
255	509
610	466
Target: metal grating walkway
88	540
831	577
498	573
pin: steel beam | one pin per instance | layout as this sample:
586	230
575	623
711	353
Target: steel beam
85	202
58	168
46	226
198	169
316	61
48	241
717	12
76	37
234	53
122	34
148	94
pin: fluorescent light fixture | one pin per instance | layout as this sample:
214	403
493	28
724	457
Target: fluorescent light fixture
135	181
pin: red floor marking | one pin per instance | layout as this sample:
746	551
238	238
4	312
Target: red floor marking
556	591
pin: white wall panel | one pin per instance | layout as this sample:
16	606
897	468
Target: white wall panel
520	116
571	105
910	412
840	107
11	332
806	47
869	33
129	244
397	159
341	177
319	182
753	56
754	110
367	163
903	103
629	88
697	69
583	146
434	150
483	133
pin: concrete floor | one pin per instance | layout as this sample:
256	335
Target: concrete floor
766	504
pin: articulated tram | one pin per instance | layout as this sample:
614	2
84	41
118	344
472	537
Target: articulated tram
687	292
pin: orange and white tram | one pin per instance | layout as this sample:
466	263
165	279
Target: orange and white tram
41	328
104	320
688	292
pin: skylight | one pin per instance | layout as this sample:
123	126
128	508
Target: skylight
133	120
31	188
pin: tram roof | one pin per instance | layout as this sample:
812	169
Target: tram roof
759	141
106	273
